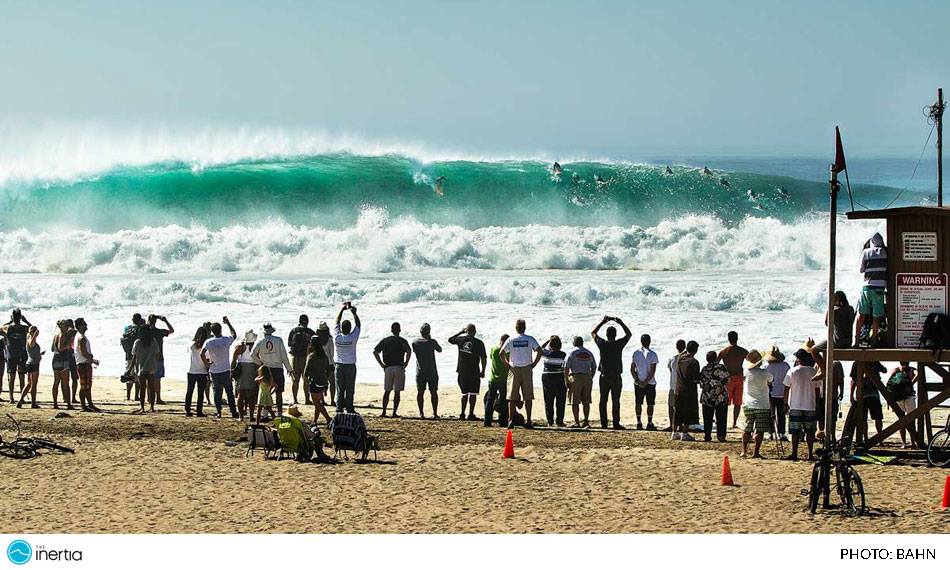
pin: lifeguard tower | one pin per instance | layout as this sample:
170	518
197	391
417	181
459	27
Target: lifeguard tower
918	241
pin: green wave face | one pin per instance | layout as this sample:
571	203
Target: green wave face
331	190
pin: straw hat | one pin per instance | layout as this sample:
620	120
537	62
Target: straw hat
250	336
323	326
773	354
268	328
294	411
753	359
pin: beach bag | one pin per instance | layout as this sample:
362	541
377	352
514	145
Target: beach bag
936	332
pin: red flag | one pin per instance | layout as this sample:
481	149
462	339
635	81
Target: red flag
839	153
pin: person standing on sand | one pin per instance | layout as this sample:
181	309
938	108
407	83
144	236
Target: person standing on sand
130	334
316	372
554	381
778	369
197	371
800	398
159	335
686	409
496	398
521	354
15	332
215	355
243	361
643	368
872	399
900	383
733	356
298	342
672	365
144	355
393	354
427	372
84	363
579	373
715	399
265	400
756	403
472	361
33	357
323	331
345	337
60	351
271	352
611	367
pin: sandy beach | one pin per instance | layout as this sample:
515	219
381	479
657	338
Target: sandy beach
166	473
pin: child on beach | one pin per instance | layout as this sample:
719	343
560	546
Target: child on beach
265	401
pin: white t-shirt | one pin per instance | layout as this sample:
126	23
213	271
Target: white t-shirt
197	366
217	351
80	339
345	345
642	359
778	370
755	392
520	350
801	389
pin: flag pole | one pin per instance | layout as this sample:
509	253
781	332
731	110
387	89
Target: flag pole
830	394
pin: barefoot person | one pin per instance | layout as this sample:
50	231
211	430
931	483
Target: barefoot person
643	368
900	383
496	397
345	337
159	335
60	351
871	304
554	381
271	352
686	408
427	372
714	398
243	362
733	356
144	364
215	355
579	373
800	398
521	354
197	371
265	395
316	373
298	343
471	364
33	357
393	354
611	367
84	363
15	331
778	369
329	348
755	397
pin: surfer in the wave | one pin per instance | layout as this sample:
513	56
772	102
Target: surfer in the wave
556	169
598	180
438	185
724	182
706	171
669	170
784	192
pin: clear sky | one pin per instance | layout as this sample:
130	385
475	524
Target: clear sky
687	76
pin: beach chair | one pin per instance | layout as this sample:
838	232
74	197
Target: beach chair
348	432
262	437
291	443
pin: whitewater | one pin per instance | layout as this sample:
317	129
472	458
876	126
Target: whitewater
263	225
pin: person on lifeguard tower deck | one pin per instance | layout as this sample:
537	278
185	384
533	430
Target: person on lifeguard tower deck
871	304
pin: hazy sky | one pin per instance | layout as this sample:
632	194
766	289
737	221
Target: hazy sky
715	77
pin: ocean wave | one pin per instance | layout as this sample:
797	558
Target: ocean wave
380	244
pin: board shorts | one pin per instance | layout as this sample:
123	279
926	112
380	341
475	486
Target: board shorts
430	381
583	385
85	374
159	368
873	408
647	393
394	378
17	362
734	389
756	420
298	364
277	376
521	384
871	301
802	421
470	382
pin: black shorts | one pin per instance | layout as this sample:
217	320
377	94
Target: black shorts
872	407
277	376
469	383
648	392
17	361
430	381
32	367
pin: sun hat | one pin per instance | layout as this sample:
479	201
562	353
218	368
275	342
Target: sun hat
773	354
294	411
323	326
250	336
753	359
804	357
268	328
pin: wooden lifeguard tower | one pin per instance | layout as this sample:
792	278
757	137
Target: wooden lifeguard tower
918	241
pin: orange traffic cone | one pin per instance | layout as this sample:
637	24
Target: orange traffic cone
946	494
726	472
509	452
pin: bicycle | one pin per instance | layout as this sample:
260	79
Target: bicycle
848	485
938	450
27	447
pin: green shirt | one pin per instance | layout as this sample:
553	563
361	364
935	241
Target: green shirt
499	370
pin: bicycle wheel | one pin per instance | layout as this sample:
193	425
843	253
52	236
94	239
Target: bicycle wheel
850	489
47	444
938	451
17	450
815	489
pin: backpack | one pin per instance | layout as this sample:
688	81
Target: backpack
936	332
900	386
299	341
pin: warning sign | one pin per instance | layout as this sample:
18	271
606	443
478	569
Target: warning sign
918	295
920	246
